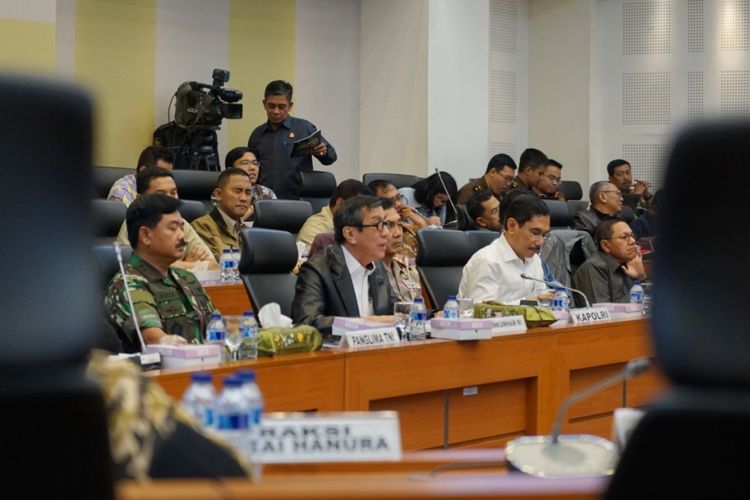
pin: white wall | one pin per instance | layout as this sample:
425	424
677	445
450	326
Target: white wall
327	77
393	86
458	85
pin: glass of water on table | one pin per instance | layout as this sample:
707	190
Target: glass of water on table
402	313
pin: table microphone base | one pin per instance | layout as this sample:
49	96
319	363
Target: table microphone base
574	455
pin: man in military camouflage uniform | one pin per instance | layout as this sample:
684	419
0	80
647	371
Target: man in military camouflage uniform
548	187
170	304
531	166
497	178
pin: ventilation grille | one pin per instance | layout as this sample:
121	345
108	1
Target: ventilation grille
735	94
648	162
646	98
646	28
503	94
504	26
695	25
695	96
509	148
734	24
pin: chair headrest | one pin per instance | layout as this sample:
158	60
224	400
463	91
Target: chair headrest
107	217
192	209
106	262
443	248
480	238
267	251
571	189
559	213
287	215
195	184
398	180
317	184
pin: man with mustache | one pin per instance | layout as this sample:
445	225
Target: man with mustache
494	272
220	228
171	306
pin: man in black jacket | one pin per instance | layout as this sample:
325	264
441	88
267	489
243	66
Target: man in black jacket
348	278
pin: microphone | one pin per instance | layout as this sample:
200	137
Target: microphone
573	454
144	358
455	211
557	284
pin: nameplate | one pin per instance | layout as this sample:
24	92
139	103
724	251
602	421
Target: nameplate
369	338
332	437
585	315
508	325
344	324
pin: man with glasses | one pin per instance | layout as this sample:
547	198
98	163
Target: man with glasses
411	220
607	275
606	203
497	178
548	187
347	278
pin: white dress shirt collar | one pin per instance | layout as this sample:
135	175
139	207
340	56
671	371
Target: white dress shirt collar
360	281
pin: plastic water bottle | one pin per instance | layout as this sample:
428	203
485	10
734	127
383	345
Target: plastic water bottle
225	264
215	333
249	333
561	301
236	265
451	309
418	320
199	398
232	415
636	293
254	399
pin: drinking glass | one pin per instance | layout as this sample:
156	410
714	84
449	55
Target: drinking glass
402	313
233	336
465	307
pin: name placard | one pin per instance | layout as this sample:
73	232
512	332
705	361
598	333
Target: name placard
329	437
585	315
508	325
369	338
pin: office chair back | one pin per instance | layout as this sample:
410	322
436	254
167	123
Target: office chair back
317	188
441	258
284	215
480	238
398	180
576	206
559	214
192	209
571	190
464	220
266	264
106	263
53	426
107	217
195	185
104	177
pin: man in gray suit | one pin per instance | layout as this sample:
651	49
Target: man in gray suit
348	278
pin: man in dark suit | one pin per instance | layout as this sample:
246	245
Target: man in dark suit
348	278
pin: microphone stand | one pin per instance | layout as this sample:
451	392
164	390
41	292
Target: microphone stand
557	284
455	211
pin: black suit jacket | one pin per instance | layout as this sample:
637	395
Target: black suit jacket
324	289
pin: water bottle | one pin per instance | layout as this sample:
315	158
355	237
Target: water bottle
249	333
451	309
236	265
232	415
254	399
225	264
215	333
636	293
199	398
418	320
561	301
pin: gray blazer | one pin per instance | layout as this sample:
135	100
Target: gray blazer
324	289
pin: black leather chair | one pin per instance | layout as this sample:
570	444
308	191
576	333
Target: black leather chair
196	185
398	180
576	206
266	264
464	220
480	238
441	258
104	177
571	190
106	218
53	424
285	215
317	188
192	209
559	214
106	262
694	442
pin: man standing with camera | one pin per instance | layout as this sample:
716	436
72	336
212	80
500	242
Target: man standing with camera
273	142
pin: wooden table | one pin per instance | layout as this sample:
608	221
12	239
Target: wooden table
449	393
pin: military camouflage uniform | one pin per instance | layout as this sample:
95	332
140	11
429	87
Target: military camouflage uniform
175	303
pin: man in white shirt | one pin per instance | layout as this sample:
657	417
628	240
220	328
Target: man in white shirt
494	272
347	278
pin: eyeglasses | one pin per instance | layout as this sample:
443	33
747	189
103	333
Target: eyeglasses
397	198
380	225
613	191
623	237
508	178
249	162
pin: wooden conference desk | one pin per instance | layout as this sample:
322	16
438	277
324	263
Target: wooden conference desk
479	393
